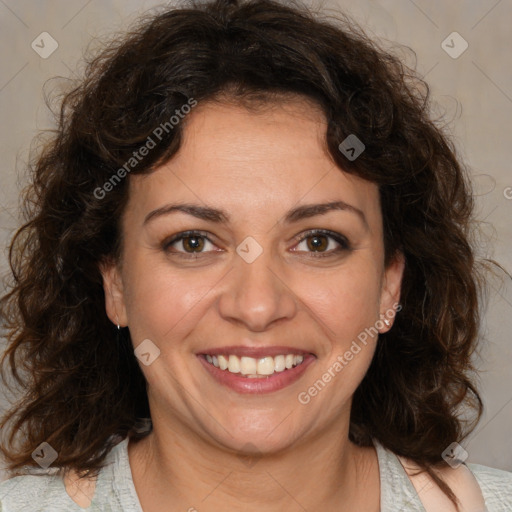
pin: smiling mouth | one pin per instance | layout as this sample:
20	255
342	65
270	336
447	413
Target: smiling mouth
255	368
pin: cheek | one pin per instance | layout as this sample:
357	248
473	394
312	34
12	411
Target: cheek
162	304
346	306
346	301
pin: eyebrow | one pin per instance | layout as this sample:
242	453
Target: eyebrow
218	216
311	210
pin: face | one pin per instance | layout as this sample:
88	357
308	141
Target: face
263	275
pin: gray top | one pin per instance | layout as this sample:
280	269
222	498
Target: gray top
115	491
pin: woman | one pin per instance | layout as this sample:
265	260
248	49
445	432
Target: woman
248	230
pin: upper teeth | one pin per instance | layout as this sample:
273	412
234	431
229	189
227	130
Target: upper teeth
252	367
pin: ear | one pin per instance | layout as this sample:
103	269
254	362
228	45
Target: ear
390	292
114	294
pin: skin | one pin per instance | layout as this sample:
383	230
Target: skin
255	165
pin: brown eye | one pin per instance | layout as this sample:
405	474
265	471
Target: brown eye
191	242
323	243
317	242
194	243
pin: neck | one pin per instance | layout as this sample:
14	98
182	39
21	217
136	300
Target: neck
327	472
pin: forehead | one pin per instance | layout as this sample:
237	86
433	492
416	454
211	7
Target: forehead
291	130
271	157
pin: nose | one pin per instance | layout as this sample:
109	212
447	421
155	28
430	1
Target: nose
256	295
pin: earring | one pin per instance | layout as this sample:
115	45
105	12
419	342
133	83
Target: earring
387	322
118	327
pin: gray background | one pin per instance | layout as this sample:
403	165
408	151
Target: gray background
474	91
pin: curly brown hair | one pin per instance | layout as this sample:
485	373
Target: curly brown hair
82	385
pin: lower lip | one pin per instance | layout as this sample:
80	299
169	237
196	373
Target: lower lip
274	382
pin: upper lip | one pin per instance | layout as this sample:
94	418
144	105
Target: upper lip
255	352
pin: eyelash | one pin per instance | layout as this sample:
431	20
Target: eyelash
340	239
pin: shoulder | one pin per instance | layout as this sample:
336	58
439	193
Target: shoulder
472	484
22	492
496	486
59	491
